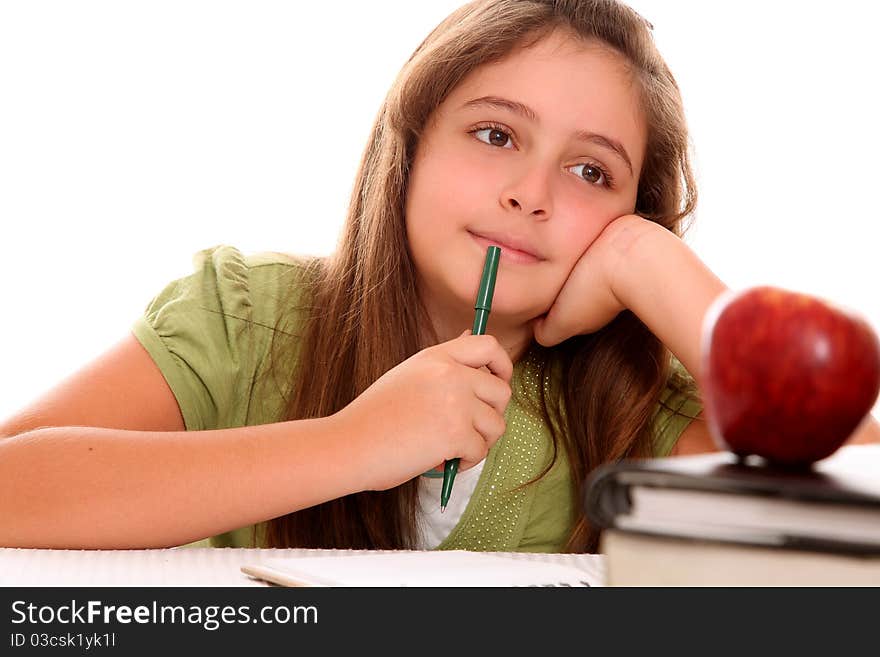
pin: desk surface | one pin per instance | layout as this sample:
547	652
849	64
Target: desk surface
186	566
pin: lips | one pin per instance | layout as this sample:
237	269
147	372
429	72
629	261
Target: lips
509	244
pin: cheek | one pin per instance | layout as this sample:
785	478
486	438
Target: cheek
577	229
441	200
451	183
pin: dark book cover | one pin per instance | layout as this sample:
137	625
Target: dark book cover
843	483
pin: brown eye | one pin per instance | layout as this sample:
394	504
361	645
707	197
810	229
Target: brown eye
498	138
494	137
592	174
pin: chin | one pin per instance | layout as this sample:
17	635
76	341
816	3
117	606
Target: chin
515	312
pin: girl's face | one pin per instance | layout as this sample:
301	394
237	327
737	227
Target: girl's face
537	153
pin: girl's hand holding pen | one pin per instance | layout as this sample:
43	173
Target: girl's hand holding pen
438	404
587	300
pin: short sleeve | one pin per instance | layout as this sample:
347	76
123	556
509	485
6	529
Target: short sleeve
209	333
678	406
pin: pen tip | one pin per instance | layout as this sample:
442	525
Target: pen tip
442	509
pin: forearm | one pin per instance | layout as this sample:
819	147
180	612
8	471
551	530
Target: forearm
668	287
83	487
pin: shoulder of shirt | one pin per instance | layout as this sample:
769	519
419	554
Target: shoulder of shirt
260	264
267	283
275	259
275	273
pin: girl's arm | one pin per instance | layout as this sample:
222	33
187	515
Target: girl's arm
667	286
143	481
638	265
88	487
102	460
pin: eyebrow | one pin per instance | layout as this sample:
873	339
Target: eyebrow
528	113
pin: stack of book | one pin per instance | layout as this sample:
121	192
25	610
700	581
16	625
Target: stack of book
716	520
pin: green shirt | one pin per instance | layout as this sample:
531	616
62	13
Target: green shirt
210	333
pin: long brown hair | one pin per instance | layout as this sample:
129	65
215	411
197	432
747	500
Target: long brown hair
605	386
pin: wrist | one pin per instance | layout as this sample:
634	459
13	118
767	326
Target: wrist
346	456
662	281
633	241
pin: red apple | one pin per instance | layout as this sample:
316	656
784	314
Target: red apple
786	376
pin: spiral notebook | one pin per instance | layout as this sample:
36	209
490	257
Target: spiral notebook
426	569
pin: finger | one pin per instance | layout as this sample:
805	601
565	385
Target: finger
473	452
491	390
481	351
488	423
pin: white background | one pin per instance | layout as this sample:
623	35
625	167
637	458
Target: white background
133	134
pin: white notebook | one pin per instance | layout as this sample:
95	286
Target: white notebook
430	568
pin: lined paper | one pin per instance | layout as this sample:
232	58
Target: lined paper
196	566
429	568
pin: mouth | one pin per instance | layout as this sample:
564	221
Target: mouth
512	249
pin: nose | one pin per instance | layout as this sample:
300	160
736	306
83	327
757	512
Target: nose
529	193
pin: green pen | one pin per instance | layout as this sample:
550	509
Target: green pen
482	306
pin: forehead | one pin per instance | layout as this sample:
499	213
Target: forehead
571	84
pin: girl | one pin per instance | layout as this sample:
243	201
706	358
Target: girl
290	402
